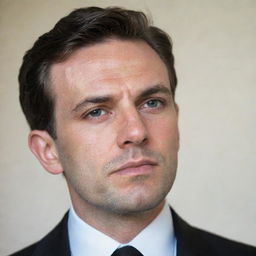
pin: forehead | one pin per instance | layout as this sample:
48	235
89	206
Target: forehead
107	67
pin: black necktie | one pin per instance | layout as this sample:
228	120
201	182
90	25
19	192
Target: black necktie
126	251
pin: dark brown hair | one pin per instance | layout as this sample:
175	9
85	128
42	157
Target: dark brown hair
82	27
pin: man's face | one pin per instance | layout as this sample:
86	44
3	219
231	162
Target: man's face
116	124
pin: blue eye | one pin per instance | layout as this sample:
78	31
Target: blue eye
152	103
96	112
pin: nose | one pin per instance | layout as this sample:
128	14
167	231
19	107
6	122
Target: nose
133	130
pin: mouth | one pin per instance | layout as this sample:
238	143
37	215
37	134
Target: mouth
142	167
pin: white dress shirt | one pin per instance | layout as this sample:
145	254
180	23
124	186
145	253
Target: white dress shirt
156	239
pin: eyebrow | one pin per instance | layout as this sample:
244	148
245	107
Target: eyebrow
159	88
91	100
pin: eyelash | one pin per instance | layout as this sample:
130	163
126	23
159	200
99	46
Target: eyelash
160	103
88	114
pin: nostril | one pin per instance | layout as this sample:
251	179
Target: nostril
137	142
145	140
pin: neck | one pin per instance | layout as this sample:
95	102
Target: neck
120	227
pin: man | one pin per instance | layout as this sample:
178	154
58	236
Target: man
98	92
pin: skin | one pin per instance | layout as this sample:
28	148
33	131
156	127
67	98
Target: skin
117	135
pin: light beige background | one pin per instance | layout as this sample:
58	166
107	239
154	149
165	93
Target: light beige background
214	45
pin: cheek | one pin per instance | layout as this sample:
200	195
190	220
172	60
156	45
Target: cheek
165	132
88	143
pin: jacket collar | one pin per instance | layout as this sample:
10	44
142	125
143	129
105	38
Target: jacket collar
56	243
190	241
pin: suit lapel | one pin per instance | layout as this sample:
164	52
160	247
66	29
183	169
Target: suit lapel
56	243
188	243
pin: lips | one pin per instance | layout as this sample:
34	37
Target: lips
136	167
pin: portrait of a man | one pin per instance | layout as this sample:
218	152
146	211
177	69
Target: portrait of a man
98	91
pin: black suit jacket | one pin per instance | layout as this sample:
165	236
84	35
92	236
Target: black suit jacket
190	242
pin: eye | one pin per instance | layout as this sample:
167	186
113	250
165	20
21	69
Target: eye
96	113
154	103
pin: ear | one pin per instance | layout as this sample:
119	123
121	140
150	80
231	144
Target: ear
43	147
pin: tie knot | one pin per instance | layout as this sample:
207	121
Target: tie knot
126	251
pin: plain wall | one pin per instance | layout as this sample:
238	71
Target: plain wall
214	45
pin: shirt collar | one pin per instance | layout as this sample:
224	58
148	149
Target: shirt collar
156	239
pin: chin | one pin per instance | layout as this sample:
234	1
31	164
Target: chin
135	204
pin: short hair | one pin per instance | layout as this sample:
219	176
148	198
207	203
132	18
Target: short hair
82	27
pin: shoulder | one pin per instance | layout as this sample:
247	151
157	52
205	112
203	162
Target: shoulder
55	243
26	251
191	239
220	245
